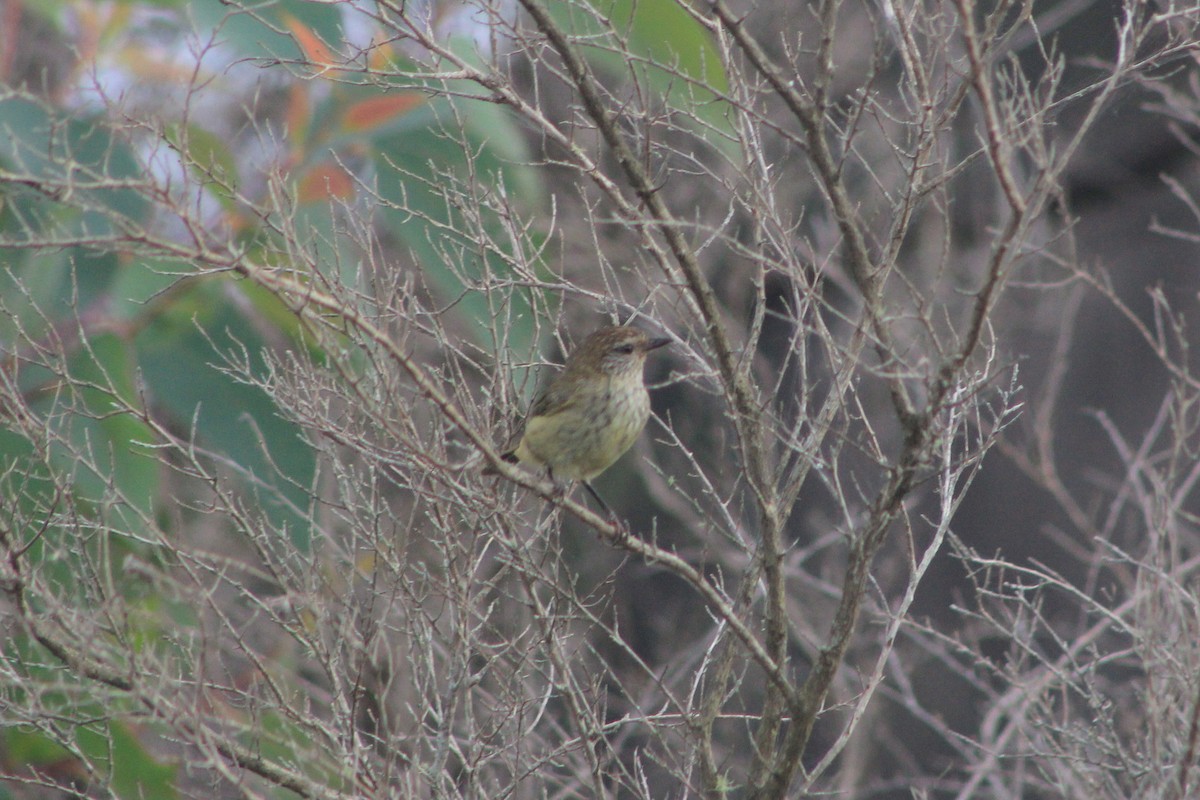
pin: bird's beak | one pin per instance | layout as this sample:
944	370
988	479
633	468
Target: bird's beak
654	344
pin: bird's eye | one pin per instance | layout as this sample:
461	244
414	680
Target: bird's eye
624	349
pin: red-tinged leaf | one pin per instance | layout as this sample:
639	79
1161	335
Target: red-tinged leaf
236	220
299	114
314	49
324	181
380	57
376	112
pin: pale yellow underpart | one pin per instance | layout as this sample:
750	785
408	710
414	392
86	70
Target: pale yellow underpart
583	439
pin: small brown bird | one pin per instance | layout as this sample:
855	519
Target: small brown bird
592	411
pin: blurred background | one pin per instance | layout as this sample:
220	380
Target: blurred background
152	149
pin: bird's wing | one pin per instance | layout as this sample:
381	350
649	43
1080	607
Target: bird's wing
550	401
554	399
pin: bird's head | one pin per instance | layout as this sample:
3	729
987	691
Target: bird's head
616	350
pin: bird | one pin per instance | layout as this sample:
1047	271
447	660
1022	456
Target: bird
592	411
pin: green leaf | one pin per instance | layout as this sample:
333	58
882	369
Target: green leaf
209	159
140	283
93	271
282	740
181	353
29	283
90	177
416	173
109	744
27	747
21	476
114	438
261	30
673	54
132	772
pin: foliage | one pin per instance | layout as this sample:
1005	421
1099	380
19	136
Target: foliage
276	280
